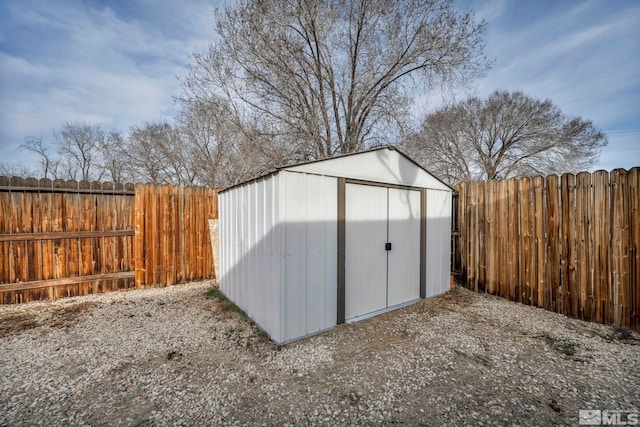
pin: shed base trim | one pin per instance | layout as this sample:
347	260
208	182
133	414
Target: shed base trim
310	334
382	311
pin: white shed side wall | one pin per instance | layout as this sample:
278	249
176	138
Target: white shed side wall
250	242
438	241
309	217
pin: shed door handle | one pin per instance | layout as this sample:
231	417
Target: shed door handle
387	246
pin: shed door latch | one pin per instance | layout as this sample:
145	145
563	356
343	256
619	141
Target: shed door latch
387	246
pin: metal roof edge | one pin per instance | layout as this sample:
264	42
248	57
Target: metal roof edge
307	162
255	178
369	150
421	167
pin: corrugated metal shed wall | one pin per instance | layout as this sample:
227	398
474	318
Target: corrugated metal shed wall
278	247
310	220
438	241
250	249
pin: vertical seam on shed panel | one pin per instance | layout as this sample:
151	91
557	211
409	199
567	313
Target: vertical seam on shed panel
341	251
306	253
283	254
251	234
244	225
275	260
387	252
323	222
423	243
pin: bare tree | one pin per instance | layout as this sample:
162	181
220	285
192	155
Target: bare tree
16	169
79	143
221	148
113	158
333	76
49	165
157	154
508	134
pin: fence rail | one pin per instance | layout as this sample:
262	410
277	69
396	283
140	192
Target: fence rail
569	244
66	238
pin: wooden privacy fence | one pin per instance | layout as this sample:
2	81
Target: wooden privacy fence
569	244
172	241
66	238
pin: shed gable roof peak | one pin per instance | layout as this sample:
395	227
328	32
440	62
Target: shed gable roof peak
342	156
328	160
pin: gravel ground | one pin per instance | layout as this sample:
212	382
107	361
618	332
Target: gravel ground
173	356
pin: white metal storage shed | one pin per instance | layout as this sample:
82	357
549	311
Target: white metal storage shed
310	246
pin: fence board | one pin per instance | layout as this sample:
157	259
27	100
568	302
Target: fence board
202	226
540	230
17	248
5	227
139	239
590	250
568	244
71	224
180	240
194	250
188	238
46	226
502	225
57	223
570	296
86	254
552	270
149	226
492	259
481	238
31	224
601	244
463	248
107	243
512	240
472	207
158	216
524	205
97	248
129	208
621	239
614	281
583	279
633	178
175	234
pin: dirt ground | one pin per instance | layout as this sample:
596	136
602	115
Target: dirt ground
179	356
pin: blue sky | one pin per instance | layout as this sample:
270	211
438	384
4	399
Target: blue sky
117	63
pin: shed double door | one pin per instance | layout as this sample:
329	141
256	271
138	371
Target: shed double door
382	248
